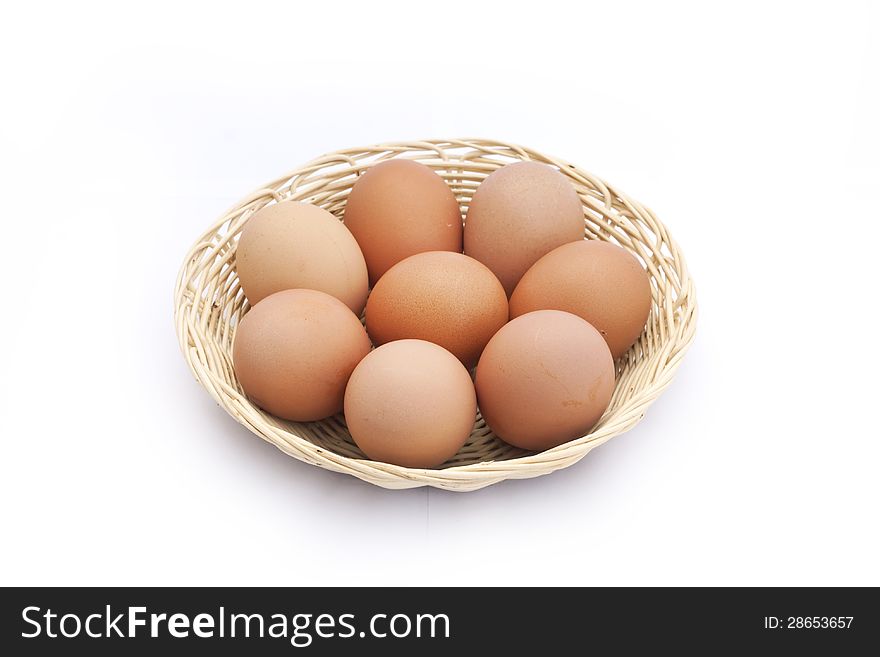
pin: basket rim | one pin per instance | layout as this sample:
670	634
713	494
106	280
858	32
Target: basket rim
461	477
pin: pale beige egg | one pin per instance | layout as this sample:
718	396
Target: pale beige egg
291	245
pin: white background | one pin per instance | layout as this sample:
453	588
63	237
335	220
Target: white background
752	131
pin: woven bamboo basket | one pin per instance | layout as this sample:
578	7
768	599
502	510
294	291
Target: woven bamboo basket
208	304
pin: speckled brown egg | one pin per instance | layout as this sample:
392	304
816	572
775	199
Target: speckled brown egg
291	245
598	281
294	351
545	378
442	297
519	213
398	208
410	403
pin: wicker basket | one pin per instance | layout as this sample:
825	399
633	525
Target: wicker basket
208	303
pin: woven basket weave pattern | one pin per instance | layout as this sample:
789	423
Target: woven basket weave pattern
209	303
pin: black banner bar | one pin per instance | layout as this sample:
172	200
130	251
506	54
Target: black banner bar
428	621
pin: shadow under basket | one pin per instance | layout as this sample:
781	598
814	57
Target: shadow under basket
208	304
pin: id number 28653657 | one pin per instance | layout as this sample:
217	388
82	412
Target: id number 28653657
808	622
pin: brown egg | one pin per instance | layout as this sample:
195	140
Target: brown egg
291	245
294	351
399	208
410	403
545	378
439	296
598	281
519	213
